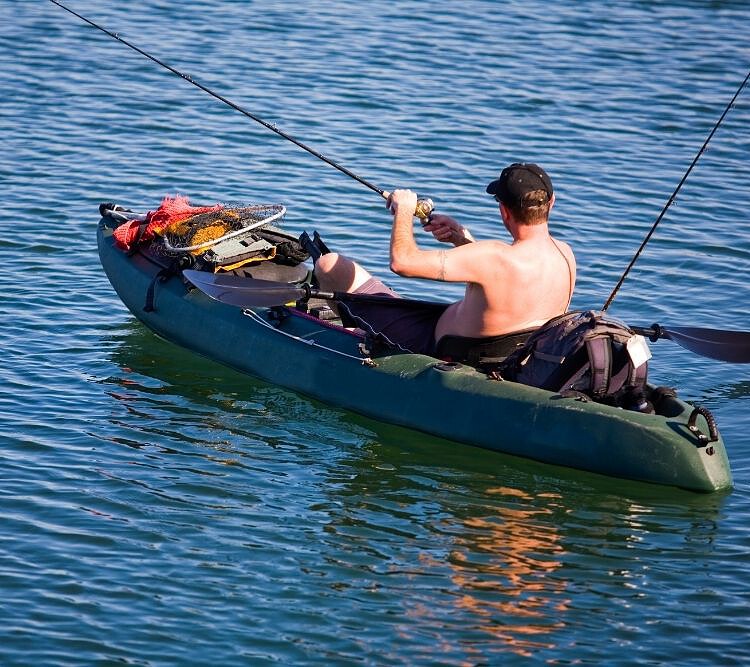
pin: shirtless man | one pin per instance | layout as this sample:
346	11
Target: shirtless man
509	287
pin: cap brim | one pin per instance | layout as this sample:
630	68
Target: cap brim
493	187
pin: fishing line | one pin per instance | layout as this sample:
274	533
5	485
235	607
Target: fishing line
674	194
226	101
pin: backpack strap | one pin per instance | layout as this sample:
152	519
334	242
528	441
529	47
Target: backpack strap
172	269
624	373
137	239
571	282
639	376
600	357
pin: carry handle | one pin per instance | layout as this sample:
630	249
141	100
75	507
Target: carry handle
713	431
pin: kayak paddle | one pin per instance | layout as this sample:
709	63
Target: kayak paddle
731	346
253	293
250	292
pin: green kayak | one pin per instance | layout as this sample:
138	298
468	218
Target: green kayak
296	349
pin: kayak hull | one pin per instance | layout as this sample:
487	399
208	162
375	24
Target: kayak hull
452	401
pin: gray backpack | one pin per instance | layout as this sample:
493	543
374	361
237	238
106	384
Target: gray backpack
582	352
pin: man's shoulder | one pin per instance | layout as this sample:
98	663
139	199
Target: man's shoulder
565	248
489	245
483	253
560	242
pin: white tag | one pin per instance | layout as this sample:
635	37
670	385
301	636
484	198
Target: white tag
638	350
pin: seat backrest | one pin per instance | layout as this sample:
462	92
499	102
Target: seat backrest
481	350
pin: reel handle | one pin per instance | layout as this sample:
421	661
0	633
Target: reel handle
424	210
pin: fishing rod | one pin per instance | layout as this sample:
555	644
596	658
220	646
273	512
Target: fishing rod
424	206
674	194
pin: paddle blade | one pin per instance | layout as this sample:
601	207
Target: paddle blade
243	292
732	346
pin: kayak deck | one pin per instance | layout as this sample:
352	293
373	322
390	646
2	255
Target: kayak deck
318	358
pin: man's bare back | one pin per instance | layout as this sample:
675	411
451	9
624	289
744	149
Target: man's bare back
521	285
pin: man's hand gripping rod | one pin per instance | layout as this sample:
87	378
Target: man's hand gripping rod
423	210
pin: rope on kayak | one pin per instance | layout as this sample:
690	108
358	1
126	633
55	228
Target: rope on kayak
365	361
674	194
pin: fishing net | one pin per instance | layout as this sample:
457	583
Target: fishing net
200	232
196	229
221	237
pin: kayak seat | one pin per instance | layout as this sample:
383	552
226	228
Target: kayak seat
481	350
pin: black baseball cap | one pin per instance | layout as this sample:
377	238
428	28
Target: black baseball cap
517	180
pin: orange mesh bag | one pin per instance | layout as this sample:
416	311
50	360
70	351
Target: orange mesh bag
171	211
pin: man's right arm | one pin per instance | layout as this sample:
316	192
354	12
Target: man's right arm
448	230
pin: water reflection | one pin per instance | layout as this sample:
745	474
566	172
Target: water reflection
170	400
504	565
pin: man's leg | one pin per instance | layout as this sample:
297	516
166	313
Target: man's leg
336	273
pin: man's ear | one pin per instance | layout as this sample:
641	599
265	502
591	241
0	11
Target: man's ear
504	212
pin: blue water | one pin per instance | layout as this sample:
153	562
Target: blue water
158	509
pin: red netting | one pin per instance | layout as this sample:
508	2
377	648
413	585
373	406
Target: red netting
172	210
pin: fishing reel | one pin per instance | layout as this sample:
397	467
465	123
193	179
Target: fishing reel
424	210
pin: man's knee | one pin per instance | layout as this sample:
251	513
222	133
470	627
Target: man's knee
326	263
336	272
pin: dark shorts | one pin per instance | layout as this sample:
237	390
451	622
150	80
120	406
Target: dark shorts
406	324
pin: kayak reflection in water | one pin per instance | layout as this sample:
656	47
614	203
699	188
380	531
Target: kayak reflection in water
506	566
511	288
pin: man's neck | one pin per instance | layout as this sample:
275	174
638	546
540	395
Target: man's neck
522	233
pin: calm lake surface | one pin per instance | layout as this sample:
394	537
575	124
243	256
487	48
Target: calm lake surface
159	509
